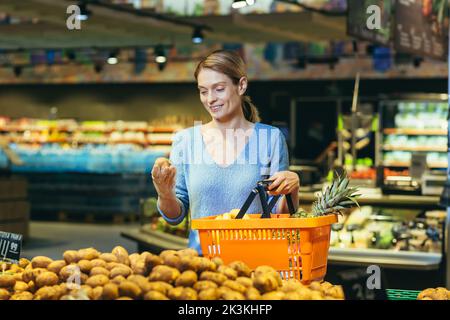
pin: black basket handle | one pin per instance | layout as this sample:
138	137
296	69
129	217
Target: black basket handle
260	190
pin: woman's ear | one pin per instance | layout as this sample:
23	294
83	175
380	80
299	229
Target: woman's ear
242	86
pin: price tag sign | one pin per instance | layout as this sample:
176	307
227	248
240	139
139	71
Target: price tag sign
362	284
10	247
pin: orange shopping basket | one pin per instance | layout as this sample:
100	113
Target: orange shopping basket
295	247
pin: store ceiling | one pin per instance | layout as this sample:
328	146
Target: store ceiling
108	27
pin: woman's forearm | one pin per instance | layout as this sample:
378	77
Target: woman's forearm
170	206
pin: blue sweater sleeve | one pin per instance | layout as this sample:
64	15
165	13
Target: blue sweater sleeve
279	157
177	157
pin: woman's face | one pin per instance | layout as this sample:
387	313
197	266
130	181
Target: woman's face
221	98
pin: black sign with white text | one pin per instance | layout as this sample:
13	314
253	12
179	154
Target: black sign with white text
10	247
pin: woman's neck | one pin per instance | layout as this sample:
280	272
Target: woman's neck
235	123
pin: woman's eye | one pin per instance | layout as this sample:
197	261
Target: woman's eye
220	89
202	93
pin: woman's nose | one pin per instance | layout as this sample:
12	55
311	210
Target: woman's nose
211	97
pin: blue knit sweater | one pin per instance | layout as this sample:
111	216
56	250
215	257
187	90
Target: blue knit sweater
204	188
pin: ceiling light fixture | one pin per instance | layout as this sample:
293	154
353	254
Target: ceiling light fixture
160	55
112	59
197	36
238	4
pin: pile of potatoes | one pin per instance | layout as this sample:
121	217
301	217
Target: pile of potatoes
176	275
434	294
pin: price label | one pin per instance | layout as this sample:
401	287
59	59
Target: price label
362	284
10	247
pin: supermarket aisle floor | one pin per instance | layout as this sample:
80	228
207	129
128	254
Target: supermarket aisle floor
53	238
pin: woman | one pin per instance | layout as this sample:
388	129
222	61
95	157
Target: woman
213	167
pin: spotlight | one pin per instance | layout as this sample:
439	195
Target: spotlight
160	55
84	11
197	36
238	4
112	59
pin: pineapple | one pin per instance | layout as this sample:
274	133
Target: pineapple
334	199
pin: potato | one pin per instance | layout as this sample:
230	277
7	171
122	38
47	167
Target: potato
218	278
317	295
152	261
242	269
291	285
71	256
31	274
217	261
164	273
181	293
110	291
4	294
85	266
155	295
232	295
292	295
209	294
274	295
141	281
41	262
129	289
14	268
111	265
108	257
120	270
98	280
47	279
204	264
24	262
56	266
186	279
133	258
71	270
188	252
315	285
246	282
121	254
305	293
7	281
24	295
124	298
46	293
204	285
117	280
425	293
20	286
83	278
159	286
99	263
97	293
229	272
335	292
189	263
139	266
99	270
267	270
18	276
87	290
88	254
252	294
265	283
172	260
235	286
166	253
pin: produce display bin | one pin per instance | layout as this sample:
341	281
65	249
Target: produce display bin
396	294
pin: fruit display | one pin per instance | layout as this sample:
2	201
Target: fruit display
401	230
434	294
88	274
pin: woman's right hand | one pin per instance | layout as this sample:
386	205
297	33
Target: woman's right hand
163	175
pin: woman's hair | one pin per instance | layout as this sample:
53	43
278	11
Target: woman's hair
232	65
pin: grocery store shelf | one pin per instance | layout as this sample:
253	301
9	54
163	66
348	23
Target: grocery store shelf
85	129
400	164
386	258
418	149
83	141
155	241
378	199
416	132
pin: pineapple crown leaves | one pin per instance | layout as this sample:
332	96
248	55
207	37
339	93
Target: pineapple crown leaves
336	198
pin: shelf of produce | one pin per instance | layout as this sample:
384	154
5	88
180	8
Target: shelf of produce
155	241
415	132
416	149
388	200
401	164
385	258
87	129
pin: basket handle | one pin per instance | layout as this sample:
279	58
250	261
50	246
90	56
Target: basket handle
261	190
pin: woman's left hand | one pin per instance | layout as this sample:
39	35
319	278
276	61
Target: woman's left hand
284	182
